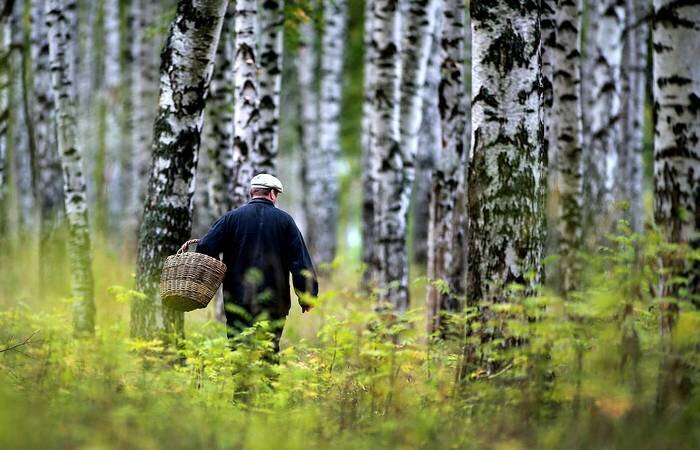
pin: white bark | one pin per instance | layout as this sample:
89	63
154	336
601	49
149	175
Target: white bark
676	89
448	203
568	137
61	48
306	67
390	205
677	126
415	49
186	69
5	54
322	168
631	145
145	53
506	174
429	146
48	164
220	119
369	176
601	157
246	92
112	98
270	81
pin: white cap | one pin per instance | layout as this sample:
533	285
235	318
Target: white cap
266	181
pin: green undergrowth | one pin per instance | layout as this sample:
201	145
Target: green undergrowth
577	373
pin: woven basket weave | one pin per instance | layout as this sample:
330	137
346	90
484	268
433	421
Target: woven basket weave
190	280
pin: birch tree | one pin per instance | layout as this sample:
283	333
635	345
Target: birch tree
270	81
506	171
601	156
50	197
390	205
186	70
676	88
369	176
416	40
634	81
111	96
306	65
145	51
446	259
245	93
220	117
567	128
61	47
322	167
5	55
429	145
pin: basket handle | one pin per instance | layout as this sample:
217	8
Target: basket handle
187	244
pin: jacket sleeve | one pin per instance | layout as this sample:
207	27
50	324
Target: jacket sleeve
301	267
213	242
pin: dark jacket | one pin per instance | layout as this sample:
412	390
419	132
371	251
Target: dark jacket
261	246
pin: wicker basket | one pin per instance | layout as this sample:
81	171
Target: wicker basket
190	280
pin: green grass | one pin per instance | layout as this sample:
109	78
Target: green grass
348	379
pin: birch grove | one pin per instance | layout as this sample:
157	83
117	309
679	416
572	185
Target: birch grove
61	49
188	62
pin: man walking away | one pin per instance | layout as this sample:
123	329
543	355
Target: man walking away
261	246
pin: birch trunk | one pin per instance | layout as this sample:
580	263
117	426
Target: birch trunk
61	48
506	172
22	150
322	168
145	55
416	40
634	81
50	197
5	56
676	89
391	204
567	127
602	157
429	146
111	96
186	69
270	79
220	124
245	93
447	203
306	66
369	175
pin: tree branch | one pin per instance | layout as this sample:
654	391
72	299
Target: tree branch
20	344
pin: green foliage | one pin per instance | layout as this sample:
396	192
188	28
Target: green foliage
532	372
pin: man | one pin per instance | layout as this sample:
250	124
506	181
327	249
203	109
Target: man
261	245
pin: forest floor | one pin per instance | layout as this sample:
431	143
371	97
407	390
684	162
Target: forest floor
347	379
